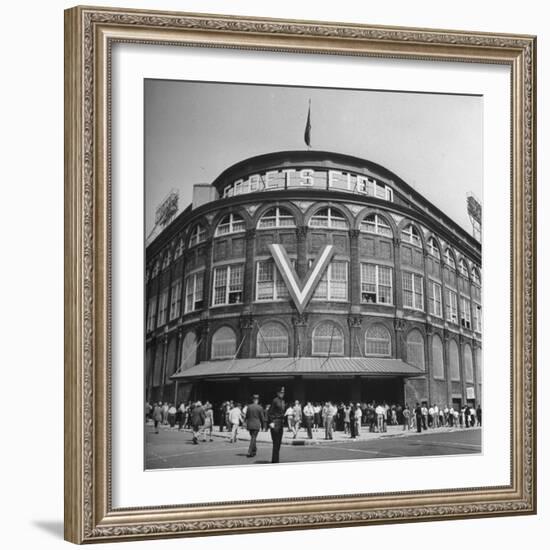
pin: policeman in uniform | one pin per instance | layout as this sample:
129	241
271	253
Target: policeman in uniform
276	418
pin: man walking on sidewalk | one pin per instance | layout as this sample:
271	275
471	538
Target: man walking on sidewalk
328	418
235	417
418	415
255	418
276	416
198	416
308	414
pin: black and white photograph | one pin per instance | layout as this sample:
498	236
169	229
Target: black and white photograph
313	274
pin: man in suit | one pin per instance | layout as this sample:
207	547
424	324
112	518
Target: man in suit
198	416
419	417
276	417
255	418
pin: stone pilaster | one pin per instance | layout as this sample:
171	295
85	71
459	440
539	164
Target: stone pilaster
246	324
249	268
398	281
163	366
355	271
356	347
301	247
300	335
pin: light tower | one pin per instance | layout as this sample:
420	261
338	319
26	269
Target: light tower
474	212
164	214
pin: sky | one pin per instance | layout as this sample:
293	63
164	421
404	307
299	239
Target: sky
195	130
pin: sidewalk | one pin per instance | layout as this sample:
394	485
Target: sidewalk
338	437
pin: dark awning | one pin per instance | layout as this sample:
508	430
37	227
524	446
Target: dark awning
366	366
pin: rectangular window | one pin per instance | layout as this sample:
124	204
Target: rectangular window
413	293
376	284
451	307
228	285
334	283
194	292
434	299
175	300
477	317
151	313
465	313
163	308
270	285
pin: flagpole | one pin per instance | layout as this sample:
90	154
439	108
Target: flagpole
309	112
307	132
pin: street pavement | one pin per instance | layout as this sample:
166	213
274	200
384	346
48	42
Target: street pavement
174	449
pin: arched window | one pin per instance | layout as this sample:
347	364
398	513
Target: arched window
224	343
463	268
156	269
437	357
157	367
454	361
433	249
376	224
449	259
171	359
166	260
479	367
188	351
272	339
476	276
179	249
328	339
468	364
276	217
378	341
232	223
410	234
415	349
329	218
198	235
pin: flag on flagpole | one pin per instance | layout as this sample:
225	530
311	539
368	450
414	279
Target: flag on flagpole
307	133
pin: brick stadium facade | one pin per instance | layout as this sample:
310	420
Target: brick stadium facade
395	316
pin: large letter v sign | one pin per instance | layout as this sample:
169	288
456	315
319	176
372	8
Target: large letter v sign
301	291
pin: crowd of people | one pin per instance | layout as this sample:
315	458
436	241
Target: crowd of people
350	418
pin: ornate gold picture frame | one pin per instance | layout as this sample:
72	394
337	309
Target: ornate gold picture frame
90	34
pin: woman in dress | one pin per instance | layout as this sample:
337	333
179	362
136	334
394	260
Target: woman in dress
208	422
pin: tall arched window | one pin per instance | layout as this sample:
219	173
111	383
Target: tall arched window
232	223
166	260
463	268
329	218
410	234
433	249
272	339
328	339
454	361
378	341
156	269
479	367
468	364
171	359
276	217
179	249
376	224
157	372
198	235
224	343
415	349
476	276
449	259
188	351
438	366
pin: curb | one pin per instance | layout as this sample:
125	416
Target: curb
305	442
